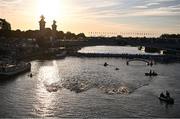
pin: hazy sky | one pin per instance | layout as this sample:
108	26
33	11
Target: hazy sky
157	16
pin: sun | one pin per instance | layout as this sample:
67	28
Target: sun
51	9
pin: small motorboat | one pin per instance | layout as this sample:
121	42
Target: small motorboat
168	100
10	70
61	55
151	74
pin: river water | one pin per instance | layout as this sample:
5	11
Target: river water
115	50
83	87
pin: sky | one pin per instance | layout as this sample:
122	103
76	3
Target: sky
149	16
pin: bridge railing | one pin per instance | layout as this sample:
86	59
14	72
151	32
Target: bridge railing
108	34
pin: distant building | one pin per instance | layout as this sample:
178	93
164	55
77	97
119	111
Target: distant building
42	23
54	26
4	25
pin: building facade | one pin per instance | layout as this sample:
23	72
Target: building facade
4	25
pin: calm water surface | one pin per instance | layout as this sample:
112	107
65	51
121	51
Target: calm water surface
115	50
83	87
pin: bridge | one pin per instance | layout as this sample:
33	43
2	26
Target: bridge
109	34
149	62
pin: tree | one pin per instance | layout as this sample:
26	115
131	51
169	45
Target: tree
60	34
70	35
81	35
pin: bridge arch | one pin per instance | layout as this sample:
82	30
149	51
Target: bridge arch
149	62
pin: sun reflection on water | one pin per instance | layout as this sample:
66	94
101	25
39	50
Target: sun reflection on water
49	74
45	104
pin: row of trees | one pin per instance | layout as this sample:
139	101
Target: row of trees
36	34
164	36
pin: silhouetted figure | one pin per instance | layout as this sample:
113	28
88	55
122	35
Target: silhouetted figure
105	64
166	98
167	94
151	64
162	95
127	63
31	75
150	72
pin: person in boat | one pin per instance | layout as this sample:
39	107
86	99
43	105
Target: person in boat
167	94
162	95
150	72
151	63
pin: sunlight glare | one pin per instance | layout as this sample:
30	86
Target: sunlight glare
51	9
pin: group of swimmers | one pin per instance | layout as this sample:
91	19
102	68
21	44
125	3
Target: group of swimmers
106	64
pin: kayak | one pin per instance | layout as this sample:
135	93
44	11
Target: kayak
151	74
167	100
